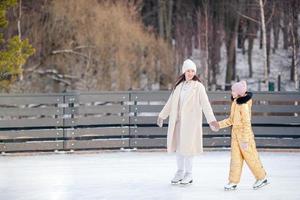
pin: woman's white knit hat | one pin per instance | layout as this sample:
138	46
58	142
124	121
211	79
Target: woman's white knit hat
188	64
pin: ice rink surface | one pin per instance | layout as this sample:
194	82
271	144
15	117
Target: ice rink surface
140	175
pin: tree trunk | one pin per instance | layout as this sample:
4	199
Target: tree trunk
168	21
20	32
207	74
242	35
276	28
261	38
250	48
231	28
251	34
268	36
231	51
161	12
285	15
165	16
295	42
264	39
19	20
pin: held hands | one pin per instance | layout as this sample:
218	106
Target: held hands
214	126
160	122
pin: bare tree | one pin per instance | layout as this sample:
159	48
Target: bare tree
285	25
276	26
251	35
165	15
231	27
19	29
264	39
295	43
202	24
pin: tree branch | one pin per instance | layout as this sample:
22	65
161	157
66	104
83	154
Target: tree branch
273	10
84	47
69	51
247	17
54	72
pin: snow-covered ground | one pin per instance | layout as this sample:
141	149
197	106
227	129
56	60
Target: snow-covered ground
140	175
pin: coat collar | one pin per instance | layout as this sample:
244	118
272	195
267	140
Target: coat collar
245	99
194	85
190	93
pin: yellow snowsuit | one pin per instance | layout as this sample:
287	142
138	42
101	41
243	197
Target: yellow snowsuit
243	145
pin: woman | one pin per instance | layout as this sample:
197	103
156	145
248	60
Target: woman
184	107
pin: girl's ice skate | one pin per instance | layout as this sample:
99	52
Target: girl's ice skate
230	186
260	183
178	177
188	179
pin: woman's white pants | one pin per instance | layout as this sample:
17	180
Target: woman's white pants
184	163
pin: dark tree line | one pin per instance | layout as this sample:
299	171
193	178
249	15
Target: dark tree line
78	40
207	24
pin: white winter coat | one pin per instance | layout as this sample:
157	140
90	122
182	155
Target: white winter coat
196	102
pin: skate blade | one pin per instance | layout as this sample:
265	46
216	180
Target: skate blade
230	189
186	184
176	183
262	185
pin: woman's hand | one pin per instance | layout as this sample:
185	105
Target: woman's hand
214	126
160	122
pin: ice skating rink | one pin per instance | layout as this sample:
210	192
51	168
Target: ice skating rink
140	175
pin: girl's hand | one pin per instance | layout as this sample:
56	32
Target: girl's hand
244	145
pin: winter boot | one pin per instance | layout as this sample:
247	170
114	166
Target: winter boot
178	177
260	183
187	179
230	186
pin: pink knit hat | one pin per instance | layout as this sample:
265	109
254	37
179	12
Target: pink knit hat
240	88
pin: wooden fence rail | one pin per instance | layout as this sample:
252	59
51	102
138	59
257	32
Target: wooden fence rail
113	120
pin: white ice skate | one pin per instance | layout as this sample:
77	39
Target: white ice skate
187	179
230	186
260	183
178	177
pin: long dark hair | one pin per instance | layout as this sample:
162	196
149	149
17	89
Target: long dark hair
181	78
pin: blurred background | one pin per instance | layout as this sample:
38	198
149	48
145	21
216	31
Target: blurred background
75	77
119	45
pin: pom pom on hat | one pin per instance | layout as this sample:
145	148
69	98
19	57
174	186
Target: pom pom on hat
188	64
240	88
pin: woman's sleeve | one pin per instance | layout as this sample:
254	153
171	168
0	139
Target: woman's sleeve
165	112
207	110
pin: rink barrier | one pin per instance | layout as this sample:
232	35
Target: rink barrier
275	120
114	120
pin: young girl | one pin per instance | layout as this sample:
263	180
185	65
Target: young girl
185	106
242	138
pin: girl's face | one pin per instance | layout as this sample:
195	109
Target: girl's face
234	95
189	74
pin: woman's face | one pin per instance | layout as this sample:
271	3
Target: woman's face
189	74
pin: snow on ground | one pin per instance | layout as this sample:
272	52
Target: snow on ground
140	175
280	63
